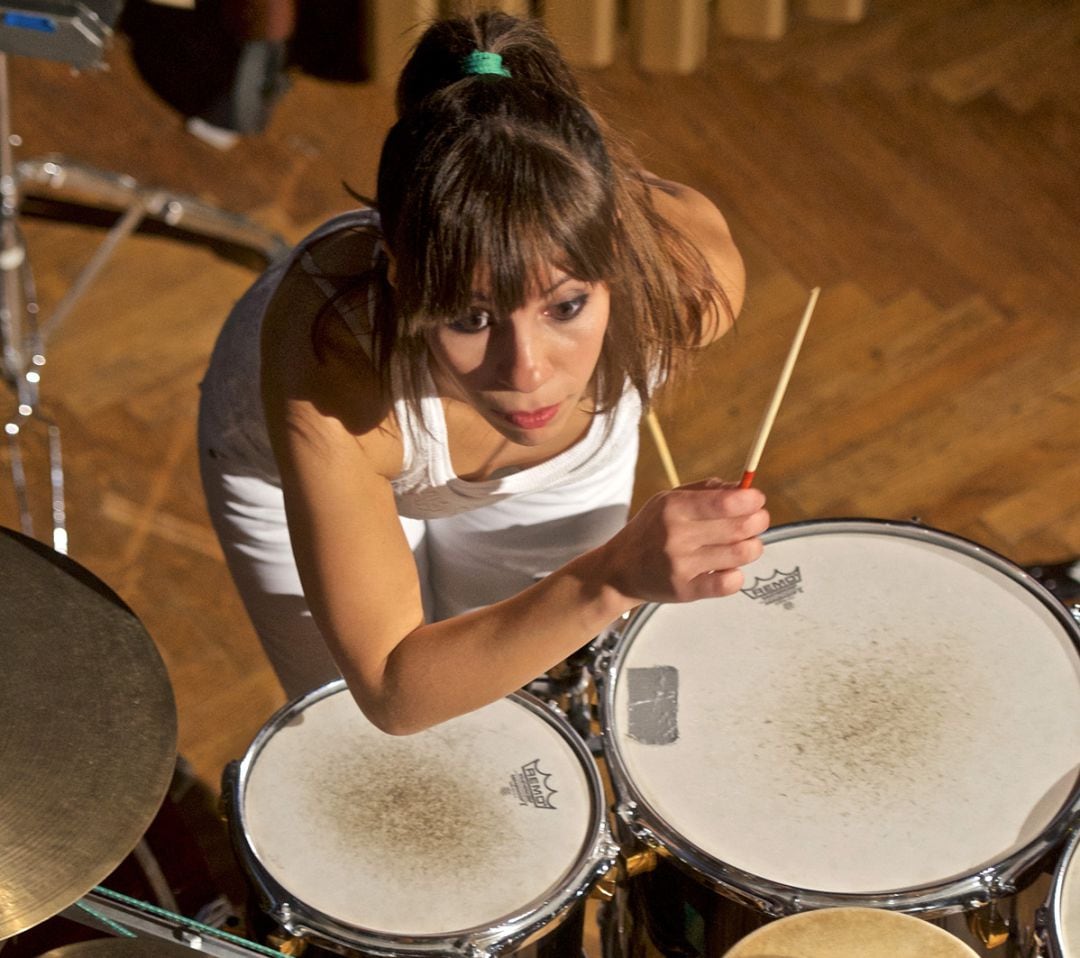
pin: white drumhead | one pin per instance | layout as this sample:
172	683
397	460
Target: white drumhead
875	711
1067	917
850	933
453	828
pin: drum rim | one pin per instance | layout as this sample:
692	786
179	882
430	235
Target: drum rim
774	898
1056	897
534	919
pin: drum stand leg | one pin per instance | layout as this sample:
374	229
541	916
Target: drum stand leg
22	337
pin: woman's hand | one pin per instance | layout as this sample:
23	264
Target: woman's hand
688	543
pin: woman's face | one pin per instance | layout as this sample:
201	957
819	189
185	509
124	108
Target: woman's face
527	372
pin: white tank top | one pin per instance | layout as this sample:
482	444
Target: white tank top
426	487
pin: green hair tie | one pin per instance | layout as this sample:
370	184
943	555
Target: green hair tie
482	61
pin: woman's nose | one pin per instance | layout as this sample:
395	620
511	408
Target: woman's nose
524	359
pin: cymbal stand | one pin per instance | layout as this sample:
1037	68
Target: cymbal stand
22	336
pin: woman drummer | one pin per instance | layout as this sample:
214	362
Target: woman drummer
418	434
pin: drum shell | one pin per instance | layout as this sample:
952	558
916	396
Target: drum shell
538	928
639	823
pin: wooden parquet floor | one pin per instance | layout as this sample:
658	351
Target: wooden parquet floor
921	167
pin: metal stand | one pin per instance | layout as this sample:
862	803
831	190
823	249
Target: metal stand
22	336
123	916
1063	581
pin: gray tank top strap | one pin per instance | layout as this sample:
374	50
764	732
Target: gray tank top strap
356	317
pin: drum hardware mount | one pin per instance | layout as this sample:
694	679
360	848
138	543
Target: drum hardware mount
565	688
287	944
625	868
1062	580
77	35
1040	934
989	926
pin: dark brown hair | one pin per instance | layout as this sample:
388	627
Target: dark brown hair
506	176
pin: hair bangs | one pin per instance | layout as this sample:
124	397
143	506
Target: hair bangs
494	229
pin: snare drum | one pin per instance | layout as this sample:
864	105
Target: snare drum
481	836
885	716
850	933
1060	933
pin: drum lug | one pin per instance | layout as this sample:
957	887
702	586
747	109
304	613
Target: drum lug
994	887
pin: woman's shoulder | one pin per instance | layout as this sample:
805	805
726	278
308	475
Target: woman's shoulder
326	391
314	363
705	226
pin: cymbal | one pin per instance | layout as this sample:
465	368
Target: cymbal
121	948
87	731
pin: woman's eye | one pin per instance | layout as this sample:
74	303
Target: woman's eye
474	322
569	308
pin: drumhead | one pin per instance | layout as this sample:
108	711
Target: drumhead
883	707
850	933
1065	901
435	834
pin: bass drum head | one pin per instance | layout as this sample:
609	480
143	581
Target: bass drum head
451	833
850	933
882	708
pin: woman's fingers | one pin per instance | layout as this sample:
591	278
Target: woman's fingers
714	584
714	557
712	499
690	542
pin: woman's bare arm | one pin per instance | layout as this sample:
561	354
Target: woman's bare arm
337	451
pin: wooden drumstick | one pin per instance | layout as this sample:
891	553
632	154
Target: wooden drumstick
662	449
778	394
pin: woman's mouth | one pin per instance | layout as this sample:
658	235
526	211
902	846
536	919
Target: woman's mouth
533	418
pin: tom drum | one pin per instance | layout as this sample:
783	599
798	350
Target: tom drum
481	836
886	716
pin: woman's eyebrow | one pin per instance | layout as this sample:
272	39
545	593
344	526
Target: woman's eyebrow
551	289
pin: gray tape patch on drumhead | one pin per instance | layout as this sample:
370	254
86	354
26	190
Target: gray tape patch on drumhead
653	704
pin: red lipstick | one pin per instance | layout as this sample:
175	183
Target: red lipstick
533	419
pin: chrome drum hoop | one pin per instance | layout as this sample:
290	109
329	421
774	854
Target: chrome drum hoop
531	922
1052	915
644	823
